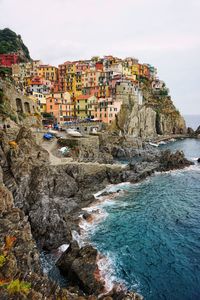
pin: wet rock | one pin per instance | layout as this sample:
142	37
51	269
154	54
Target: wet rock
88	217
198	160
80	267
118	293
107	193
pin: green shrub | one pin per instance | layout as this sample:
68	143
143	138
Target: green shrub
2	260
17	286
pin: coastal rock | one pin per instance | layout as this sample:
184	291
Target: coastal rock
171	161
156	116
80	267
198	160
190	131
139	171
197	130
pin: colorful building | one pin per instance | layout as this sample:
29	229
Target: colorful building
39	85
9	59
60	106
47	72
107	110
41	101
82	106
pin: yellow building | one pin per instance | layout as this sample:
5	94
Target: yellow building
126	70
135	69
48	72
82	106
104	91
92	104
41	101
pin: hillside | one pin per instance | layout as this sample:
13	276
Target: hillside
11	42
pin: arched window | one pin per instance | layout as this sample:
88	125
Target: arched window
19	105
27	107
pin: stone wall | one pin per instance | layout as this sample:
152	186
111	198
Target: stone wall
19	103
17	109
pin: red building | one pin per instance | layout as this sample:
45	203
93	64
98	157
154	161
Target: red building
9	59
99	66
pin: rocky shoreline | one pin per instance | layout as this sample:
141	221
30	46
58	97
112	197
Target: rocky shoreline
49	200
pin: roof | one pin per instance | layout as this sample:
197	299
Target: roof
82	97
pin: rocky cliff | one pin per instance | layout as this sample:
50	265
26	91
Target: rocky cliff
45	200
156	116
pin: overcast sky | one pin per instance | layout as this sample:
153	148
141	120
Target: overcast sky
165	33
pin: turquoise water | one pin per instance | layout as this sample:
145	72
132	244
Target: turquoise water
152	233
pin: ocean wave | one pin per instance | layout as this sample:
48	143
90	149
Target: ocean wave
107	272
113	188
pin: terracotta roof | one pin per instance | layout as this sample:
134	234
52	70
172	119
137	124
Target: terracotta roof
82	97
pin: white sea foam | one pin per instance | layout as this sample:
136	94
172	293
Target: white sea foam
106	270
76	237
112	188
97	214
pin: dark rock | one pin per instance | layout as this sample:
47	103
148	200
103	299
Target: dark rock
190	131
80	267
107	193
171	161
118	152
198	130
198	160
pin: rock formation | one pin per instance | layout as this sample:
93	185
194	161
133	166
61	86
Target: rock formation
157	115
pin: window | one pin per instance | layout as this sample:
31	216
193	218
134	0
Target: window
51	107
115	109
105	115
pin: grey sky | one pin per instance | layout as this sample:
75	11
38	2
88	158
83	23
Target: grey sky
165	33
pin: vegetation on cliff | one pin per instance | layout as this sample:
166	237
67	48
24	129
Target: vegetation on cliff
11	42
159	100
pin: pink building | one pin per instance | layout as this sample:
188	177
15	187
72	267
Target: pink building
107	109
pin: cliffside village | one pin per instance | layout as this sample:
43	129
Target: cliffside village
91	89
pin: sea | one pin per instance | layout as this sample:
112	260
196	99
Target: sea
150	233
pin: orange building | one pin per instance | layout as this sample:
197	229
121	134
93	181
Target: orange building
60	106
